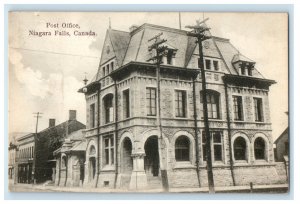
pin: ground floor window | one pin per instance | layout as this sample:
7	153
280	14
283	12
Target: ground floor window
182	149
216	139
259	148
109	150
240	147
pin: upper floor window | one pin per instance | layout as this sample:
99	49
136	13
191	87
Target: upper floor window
212	64
107	69
259	148
103	71
258	109
108	108
216	65
212	99
92	115
112	66
151	101
126	104
238	107
182	149
180	103
207	64
109	150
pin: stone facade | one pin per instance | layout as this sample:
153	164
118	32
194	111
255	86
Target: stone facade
124	147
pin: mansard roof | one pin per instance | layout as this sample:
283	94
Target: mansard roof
133	47
120	41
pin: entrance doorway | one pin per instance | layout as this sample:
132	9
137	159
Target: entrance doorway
126	159
81	166
152	156
126	163
92	169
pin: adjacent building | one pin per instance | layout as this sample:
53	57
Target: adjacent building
24	158
70	160
41	150
11	160
124	147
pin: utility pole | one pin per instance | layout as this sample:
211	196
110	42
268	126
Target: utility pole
199	32
159	53
37	116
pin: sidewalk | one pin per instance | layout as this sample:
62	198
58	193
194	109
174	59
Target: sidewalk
279	188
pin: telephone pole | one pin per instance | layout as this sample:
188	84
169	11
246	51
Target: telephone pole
159	53
199	32
37	116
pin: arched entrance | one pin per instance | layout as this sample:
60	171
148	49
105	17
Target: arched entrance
92	168
92	163
126	159
126	162
152	156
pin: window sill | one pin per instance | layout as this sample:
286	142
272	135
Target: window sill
151	116
213	119
108	168
260	161
240	163
184	165
214	164
239	121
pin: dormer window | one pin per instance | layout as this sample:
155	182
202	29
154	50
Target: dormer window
243	65
246	68
170	56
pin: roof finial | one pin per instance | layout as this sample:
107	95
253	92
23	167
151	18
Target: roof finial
85	79
179	20
109	24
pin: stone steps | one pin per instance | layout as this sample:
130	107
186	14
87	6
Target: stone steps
154	182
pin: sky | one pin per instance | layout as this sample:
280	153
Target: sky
46	72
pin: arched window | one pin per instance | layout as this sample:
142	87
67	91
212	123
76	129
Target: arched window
108	108
182	149
213	105
64	162
92	150
259	148
103	71
240	148
112	66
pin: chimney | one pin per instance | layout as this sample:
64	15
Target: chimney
133	28
51	122
72	114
